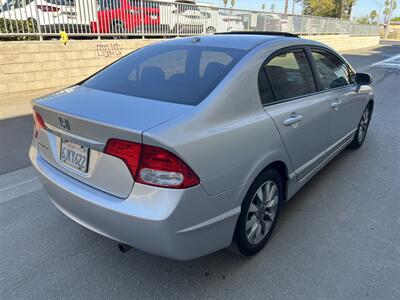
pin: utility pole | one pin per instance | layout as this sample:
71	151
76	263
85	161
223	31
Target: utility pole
293	2
341	10
286	5
380	12
389	18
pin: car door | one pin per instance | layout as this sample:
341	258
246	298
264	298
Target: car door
337	82
289	93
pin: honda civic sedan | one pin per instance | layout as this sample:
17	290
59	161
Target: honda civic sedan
192	145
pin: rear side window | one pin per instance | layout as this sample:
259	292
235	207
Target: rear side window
332	71
290	75
178	74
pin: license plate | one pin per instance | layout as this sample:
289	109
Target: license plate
74	155
153	17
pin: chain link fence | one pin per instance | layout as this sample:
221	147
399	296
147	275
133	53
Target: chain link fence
143	18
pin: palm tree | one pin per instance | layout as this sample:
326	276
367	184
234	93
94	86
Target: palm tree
225	3
233	2
373	15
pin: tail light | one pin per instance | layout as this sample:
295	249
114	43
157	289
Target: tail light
153	165
39	123
127	151
48	8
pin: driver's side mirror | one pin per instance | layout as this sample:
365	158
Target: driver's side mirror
363	79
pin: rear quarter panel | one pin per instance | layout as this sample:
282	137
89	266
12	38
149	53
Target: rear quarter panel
228	139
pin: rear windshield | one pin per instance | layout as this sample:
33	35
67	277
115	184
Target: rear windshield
178	74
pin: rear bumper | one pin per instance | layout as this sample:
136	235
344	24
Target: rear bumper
178	224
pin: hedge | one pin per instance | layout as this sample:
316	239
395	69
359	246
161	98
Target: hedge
9	26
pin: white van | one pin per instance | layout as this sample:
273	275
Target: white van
216	21
181	17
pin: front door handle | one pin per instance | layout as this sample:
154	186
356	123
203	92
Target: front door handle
294	119
335	105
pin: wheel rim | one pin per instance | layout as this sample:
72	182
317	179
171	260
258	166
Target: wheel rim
210	31
262	212
363	127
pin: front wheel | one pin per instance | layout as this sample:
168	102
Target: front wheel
362	129
259	214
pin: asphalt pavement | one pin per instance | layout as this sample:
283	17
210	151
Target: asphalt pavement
338	238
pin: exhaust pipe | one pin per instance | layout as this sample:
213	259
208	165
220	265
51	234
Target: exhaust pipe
124	248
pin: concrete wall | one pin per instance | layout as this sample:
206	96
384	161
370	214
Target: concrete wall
33	69
345	42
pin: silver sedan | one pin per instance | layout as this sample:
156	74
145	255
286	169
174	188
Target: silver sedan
191	145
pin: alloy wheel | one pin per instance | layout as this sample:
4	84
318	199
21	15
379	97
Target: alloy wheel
262	212
363	127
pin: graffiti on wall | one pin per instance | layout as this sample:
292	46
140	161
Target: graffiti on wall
109	50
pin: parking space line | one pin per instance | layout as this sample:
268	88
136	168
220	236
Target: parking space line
18	183
391	62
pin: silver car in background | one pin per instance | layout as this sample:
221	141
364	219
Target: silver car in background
191	145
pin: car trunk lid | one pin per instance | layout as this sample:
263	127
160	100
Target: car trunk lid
89	118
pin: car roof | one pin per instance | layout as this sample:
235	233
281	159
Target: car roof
234	41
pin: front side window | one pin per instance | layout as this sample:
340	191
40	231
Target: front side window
178	74
290	76
332	71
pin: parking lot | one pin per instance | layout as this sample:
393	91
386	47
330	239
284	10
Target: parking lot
338	238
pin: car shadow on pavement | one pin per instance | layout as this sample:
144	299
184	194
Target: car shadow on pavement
15	139
135	270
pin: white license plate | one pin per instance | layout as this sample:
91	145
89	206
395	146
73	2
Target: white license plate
74	155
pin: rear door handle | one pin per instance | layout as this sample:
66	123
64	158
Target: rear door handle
294	119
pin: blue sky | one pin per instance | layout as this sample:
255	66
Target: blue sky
362	8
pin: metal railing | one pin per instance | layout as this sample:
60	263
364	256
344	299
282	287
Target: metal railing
126	18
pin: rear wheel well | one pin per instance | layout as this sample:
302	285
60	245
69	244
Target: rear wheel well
281	168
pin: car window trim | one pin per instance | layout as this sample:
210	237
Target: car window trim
316	75
276	53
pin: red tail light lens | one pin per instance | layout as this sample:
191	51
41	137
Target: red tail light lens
48	8
129	152
39	123
152	165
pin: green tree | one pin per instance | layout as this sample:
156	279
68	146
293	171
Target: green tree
373	15
233	2
362	20
386	12
263	6
329	8
225	3
323	8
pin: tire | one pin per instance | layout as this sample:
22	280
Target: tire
362	128
259	218
211	30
